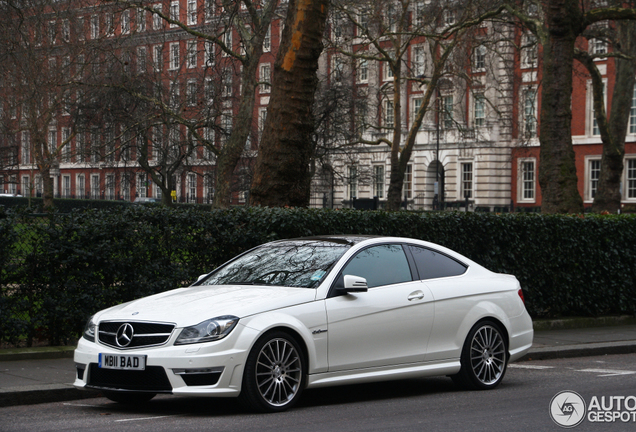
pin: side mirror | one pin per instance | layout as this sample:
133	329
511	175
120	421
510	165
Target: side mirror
201	277
354	284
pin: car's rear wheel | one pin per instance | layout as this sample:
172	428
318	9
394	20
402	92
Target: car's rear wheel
274	374
128	398
484	357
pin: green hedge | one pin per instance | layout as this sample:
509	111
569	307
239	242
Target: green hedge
57	270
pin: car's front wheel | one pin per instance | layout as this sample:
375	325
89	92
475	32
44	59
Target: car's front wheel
274	375
484	357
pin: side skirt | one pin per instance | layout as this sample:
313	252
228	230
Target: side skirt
385	373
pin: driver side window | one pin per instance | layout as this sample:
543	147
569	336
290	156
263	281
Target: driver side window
380	265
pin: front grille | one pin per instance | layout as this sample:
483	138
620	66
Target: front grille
153	378
145	334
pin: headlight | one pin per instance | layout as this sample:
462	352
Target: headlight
89	330
207	331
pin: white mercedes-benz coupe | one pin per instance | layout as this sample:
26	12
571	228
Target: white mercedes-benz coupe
310	312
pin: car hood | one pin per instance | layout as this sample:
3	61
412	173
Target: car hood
190	306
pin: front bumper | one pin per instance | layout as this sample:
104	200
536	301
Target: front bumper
207	369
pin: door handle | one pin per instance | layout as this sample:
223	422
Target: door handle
415	295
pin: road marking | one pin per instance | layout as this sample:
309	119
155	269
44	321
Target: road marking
519	366
608	372
142	418
81	405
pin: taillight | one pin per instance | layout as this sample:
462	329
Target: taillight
521	295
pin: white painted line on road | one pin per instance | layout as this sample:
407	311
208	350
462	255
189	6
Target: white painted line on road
608	372
519	366
82	405
142	418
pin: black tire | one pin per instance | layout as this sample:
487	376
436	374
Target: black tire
128	397
275	373
484	357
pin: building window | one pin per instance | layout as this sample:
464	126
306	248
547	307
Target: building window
387	72
142	185
52	140
529	51
480	110
66	186
208	187
174	13
192	188
265	75
110	187
141	20
109	23
598	46
125	187
192	54
467	180
226	38
26	148
66	144
191	93
593	176
632	113
352	182
226	125
363	71
479	59
157	57
527	180
94	186
267	40
389	114
262	117
594	130
125	22
174	56
407	186
416	105
378	181
447	111
530	113
450	17
157	21
142	55
630	172
226	89
209	54
418	60
26	186
94	26
192	12
80	187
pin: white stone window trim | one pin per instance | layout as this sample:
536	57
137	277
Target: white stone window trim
520	180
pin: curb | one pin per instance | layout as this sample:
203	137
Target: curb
37	394
582	322
580	350
42	353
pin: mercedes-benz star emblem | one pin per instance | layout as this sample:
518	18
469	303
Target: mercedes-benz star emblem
124	335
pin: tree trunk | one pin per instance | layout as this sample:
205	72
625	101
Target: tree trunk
233	149
282	174
608	194
398	164
557	171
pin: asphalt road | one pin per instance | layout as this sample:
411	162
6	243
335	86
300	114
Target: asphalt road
521	403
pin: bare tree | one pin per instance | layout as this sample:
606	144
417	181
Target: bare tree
232	35
557	24
612	129
41	56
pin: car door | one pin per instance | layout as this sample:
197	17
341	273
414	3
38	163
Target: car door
446	279
387	325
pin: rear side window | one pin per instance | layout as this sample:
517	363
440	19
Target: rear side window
380	265
431	264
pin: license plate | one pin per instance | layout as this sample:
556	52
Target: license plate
122	361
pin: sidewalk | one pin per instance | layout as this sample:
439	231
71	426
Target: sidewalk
29	376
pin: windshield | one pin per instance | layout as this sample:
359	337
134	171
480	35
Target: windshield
290	264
